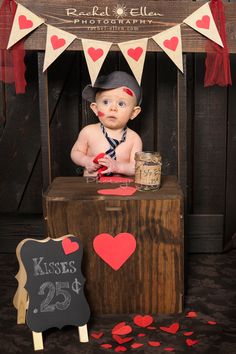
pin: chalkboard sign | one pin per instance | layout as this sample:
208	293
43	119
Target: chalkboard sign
54	283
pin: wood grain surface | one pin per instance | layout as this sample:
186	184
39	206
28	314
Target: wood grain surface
151	280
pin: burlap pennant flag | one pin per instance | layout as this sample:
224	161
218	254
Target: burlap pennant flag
24	22
57	41
170	42
135	53
203	22
95	53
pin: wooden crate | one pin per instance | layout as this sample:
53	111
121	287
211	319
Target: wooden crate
151	280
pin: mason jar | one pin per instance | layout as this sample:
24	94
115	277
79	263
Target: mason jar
147	170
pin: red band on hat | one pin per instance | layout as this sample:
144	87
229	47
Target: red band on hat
127	90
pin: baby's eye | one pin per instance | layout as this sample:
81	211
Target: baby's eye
121	104
106	102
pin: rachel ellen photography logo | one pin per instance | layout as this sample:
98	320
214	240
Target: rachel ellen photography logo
113	18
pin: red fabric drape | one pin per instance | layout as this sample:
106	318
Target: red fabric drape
217	59
12	66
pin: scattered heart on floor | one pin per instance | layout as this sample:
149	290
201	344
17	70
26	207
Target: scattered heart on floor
158	337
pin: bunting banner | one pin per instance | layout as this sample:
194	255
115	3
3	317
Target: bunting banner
170	42
57	41
95	53
24	22
135	53
202	21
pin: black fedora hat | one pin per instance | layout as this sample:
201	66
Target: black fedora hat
114	80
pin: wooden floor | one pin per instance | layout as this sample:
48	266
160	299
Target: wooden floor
210	292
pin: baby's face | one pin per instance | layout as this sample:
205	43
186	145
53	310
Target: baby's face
115	107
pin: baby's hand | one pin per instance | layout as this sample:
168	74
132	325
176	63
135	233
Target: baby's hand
91	166
110	163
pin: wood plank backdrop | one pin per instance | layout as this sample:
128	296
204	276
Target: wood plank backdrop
210	140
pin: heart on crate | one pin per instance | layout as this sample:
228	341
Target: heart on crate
123	190
69	246
24	23
114	250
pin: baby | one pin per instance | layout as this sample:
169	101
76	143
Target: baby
109	146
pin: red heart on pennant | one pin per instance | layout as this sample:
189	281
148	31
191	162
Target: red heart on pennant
24	23
143	321
97	335
136	345
95	54
69	246
204	22
121	328
191	342
135	53
120	348
57	42
171	43
154	344
114	250
120	340
171	329
124	190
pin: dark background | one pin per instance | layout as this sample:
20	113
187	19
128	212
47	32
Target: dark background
211	142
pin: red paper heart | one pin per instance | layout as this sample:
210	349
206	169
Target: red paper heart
57	42
115	179
114	250
204	22
106	346
190	342
143	321
188	333
24	23
124	190
169	349
171	43
99	156
136	345
120	348
97	335
95	54
135	53
121	328
191	314
69	246
154	344
120	340
141	335
171	329
212	323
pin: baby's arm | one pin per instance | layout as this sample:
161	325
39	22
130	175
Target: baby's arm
79	152
124	168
